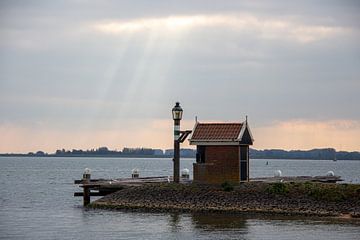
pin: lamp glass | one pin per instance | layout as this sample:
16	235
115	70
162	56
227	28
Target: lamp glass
177	112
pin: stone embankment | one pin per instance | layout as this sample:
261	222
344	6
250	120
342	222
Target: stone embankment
307	198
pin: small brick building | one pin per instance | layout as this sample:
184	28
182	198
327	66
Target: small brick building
222	152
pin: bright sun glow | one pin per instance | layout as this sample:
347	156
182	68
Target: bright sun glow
168	23
265	28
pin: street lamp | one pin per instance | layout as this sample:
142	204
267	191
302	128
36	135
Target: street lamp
177	115
177	112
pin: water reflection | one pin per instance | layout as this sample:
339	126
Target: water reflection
174	221
214	221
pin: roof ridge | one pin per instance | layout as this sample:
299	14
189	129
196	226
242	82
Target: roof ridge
220	123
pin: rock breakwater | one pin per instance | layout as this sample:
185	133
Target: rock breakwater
253	197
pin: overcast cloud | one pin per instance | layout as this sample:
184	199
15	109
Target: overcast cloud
96	68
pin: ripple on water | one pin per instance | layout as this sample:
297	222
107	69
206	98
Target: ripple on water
36	202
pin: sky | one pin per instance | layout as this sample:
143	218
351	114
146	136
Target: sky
84	74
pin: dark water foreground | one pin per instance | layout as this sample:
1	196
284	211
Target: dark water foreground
36	202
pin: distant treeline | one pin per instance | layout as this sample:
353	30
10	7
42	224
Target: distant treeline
105	152
321	154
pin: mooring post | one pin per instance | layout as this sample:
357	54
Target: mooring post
86	179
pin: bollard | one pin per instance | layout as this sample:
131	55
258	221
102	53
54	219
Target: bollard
86	174
277	173
135	173
86	179
185	174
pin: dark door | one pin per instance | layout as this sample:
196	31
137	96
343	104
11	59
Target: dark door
244	163
200	154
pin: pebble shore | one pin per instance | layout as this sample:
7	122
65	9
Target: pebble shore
253	197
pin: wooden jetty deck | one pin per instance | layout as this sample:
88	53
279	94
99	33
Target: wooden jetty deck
102	187
323	179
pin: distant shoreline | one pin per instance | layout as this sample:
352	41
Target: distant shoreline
88	156
313	154
154	156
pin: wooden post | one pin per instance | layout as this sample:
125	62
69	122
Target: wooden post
86	196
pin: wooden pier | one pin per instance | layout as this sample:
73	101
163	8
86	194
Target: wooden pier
322	179
102	187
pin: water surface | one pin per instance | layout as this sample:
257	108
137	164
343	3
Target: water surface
36	202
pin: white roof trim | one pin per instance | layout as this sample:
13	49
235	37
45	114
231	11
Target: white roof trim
248	128
243	127
217	143
192	133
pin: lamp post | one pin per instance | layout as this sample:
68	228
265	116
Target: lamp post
177	115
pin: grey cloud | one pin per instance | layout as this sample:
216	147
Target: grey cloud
217	73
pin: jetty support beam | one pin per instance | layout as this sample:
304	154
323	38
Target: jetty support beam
86	180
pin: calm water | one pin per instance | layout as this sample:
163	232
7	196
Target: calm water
36	202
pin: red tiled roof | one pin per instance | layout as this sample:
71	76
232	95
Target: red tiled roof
216	132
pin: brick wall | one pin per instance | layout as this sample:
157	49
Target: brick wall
221	164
